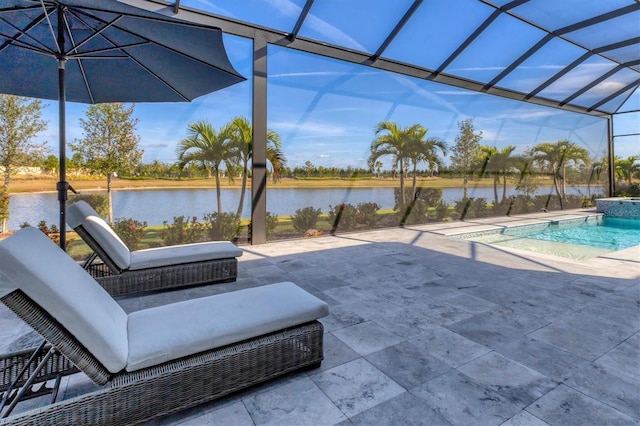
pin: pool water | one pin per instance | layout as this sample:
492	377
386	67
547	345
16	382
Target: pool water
576	240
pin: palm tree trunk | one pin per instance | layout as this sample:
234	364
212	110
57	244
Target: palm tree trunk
413	187
504	186
465	183
557	187
216	172
496	179
4	222
109	199
403	199
242	190
564	190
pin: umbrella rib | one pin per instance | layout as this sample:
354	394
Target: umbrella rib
22	45
74	47
177	92
164	46
113	23
24	32
99	26
92	53
96	31
46	15
80	67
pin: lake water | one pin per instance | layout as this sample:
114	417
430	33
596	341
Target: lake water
156	206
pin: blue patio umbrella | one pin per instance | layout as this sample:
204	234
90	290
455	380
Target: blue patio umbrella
97	51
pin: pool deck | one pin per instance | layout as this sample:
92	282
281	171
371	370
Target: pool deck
430	329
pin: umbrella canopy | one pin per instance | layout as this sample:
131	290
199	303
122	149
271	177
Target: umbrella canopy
97	51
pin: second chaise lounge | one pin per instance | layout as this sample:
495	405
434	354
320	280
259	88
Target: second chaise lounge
126	272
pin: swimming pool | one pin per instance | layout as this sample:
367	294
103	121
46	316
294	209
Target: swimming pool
575	239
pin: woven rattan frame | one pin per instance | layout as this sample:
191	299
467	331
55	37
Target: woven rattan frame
131	398
171	277
125	282
57	335
12	363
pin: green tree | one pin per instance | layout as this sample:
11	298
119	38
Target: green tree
109	144
20	121
208	149
397	142
309	167
465	152
553	158
75	164
240	133
51	163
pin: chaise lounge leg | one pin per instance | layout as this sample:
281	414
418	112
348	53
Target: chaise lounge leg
313	366
15	395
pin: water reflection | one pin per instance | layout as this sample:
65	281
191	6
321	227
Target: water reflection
157	206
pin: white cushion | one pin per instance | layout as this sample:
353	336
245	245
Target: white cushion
187	253
173	331
31	262
6	285
81	213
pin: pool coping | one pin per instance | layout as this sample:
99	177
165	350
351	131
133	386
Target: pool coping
497	224
526	228
493	225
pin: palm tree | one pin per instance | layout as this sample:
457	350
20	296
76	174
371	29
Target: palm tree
240	134
627	167
392	140
598	168
421	149
487	153
378	167
499	163
554	157
208	149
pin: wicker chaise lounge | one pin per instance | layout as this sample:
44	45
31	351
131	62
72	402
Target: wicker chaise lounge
155	361
124	272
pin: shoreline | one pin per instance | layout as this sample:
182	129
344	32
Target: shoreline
40	185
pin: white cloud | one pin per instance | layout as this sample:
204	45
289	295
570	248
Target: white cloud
454	70
457	93
526	114
320	74
542	67
308	74
211	7
314	128
332	33
576	79
433	97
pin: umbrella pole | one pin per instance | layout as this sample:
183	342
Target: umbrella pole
62	185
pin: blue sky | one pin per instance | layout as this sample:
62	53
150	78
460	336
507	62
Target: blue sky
325	110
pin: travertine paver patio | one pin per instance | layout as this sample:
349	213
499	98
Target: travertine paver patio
434	330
